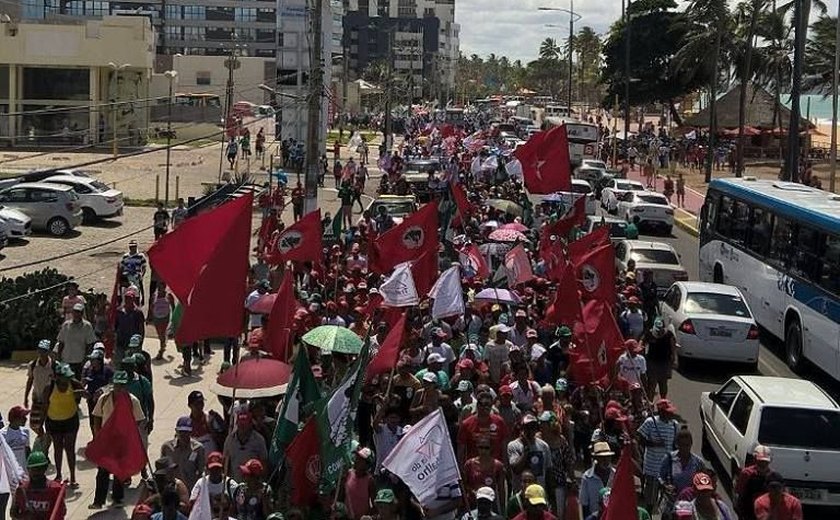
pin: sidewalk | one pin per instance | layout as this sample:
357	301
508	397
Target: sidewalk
685	217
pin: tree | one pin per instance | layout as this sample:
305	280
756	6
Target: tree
747	16
657	32
819	56
550	50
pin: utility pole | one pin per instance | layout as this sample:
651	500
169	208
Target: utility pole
571	48
171	75
313	124
626	71
231	63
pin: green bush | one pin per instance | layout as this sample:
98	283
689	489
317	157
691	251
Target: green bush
29	309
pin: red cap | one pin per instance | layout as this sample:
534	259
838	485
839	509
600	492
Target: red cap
18	412
664	405
702	482
505	390
215	460
253	467
614	414
243	417
466	363
633	346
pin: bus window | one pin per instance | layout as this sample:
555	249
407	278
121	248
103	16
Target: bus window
759	241
830	269
807	252
780	242
725	215
740	221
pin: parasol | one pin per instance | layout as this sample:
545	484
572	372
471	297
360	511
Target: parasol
508	206
497	295
515	226
332	338
507	235
254	377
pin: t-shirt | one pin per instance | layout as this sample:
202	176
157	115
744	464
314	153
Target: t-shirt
227	486
39	503
524	396
76	337
496	356
654	429
18	441
494	429
161	219
631	368
538	455
254	319
789	509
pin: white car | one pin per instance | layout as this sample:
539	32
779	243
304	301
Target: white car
594	163
580	188
18	224
98	200
615	188
648	209
618	226
795	418
658	258
710	321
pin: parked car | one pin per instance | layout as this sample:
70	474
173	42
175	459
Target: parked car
98	200
618	226
710	321
613	189
658	258
580	188
18	224
39	175
52	207
4	234
795	418
649	209
398	206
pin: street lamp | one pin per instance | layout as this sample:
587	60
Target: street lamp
116	68
573	17
170	75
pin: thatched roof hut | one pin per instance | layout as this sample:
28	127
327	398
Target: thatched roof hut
761	106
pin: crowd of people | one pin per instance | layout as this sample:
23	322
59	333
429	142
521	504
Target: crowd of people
533	439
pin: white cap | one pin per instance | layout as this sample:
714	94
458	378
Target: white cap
486	493
434	357
430	377
537	351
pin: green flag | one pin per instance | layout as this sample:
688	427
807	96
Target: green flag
337	225
335	416
301	392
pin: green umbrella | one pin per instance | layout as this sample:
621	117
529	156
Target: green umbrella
508	206
332	338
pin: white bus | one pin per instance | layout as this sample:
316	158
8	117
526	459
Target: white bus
583	138
779	242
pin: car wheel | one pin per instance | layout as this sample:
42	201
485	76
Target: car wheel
793	345
751	368
58	227
88	215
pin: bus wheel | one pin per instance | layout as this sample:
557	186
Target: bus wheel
793	344
717	277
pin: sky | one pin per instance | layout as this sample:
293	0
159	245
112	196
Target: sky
515	28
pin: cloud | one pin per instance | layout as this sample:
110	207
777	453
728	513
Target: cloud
515	28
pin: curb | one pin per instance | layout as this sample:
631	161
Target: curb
686	221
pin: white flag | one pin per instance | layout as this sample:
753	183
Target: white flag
11	474
447	294
399	289
425	461
514	168
490	164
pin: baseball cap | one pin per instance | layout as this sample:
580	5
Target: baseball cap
465	386
434	357
215	460
528	419
142	510
485	493
120	377
602	449
79	307
535	494
561	385
564	332
194	396
762	453
466	363
37	459
430	377
44	344
253	467
503	328
18	412
365	453
633	346
703	482
505	390
96	354
184	424
385	496
132	243
531	333
99	346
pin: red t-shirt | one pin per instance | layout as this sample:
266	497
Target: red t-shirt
38	504
476	477
789	509
545	516
494	429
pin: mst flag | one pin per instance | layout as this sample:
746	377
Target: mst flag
596	273
604	344
205	264
117	447
389	352
546	167
518	266
600	236
398	290
565	309
473	261
299	242
302	391
424	459
415	235
335	417
304	457
424	271
447	294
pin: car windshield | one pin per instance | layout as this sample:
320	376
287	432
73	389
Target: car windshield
629	186
596	164
395	209
618	229
654	256
652	199
99	185
581	188
799	428
716	303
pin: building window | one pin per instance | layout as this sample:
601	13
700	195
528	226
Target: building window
266	15
194	33
220	14
195	12
246	14
50	83
203	77
173	12
173	33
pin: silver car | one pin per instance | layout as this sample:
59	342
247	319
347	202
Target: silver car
52	208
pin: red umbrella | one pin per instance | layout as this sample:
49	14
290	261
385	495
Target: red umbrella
516	226
507	235
254	377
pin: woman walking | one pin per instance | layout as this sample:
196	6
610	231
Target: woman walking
161	310
63	420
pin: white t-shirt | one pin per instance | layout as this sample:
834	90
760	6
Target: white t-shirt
254	319
215	488
631	368
18	441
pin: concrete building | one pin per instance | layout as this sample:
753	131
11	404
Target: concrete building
182	27
72	83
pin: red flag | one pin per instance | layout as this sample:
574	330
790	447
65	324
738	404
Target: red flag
414	236
303	454
465	208
599	237
299	242
424	270
518	266
565	309
604	343
575	216
267	227
472	258
205	264
596	272
622	504
279	331
388	353
546	166
117	447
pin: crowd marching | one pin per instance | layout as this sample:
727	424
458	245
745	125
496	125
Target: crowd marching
479	359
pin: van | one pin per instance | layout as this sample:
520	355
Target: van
795	418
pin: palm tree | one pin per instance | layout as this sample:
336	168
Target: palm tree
747	16
773	66
707	22
549	50
819	56
588	45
